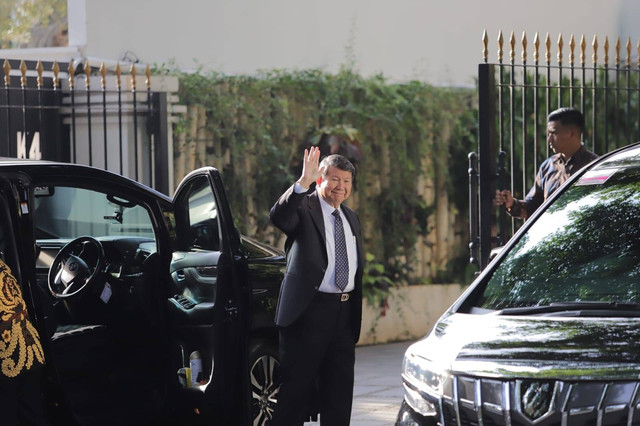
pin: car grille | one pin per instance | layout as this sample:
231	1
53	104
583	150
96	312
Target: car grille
491	402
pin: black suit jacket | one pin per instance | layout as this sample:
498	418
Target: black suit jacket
299	216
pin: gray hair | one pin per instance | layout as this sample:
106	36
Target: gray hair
339	162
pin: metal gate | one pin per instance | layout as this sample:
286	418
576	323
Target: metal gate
87	115
514	101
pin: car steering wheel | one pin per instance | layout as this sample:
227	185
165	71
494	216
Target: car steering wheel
70	274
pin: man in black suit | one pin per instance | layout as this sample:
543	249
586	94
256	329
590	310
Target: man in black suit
320	305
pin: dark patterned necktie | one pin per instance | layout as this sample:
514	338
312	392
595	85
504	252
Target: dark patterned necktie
342	260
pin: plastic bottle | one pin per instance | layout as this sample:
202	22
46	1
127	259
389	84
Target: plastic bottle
195	364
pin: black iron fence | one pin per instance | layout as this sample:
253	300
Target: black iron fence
88	115
514	101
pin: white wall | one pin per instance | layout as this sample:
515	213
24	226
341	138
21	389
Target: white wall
435	41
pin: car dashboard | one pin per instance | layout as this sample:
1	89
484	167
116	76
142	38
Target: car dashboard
127	292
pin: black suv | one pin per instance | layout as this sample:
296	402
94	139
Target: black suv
549	333
151	309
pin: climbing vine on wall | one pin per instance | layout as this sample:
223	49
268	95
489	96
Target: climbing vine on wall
254	128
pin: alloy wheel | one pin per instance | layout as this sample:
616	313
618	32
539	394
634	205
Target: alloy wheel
265	383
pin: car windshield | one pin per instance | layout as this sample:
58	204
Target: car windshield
68	213
584	248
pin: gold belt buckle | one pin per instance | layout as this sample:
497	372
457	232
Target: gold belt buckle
344	297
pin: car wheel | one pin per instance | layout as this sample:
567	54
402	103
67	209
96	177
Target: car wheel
264	376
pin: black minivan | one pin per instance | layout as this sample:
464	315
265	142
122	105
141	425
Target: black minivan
151	309
549	332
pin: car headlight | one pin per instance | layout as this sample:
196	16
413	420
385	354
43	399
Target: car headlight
424	376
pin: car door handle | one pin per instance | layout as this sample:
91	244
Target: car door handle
180	274
207	271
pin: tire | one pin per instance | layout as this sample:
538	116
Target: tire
264	379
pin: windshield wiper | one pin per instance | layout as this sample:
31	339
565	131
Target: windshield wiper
578	309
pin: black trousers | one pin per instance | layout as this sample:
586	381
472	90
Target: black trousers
318	346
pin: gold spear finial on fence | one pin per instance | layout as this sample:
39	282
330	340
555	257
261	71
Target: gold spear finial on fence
7	70
583	46
618	51
547	53
572	45
87	75
56	70
524	48
103	76
147	73
594	57
606	51
512	44
628	52
560	45
39	69
500	51
485	46
536	45
23	71
71	71
118	75
134	72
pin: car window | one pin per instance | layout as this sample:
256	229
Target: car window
203	217
67	213
584	248
257	250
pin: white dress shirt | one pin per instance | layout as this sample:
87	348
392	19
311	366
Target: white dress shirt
329	281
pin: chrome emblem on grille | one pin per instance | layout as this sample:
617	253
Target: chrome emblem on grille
536	398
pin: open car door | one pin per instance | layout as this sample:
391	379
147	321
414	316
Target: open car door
208	305
91	254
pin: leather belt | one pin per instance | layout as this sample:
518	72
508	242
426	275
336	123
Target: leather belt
333	297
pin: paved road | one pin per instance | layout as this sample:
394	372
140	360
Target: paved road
378	386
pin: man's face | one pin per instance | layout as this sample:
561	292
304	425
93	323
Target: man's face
336	186
562	139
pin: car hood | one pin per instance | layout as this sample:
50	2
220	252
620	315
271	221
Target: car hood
552	347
